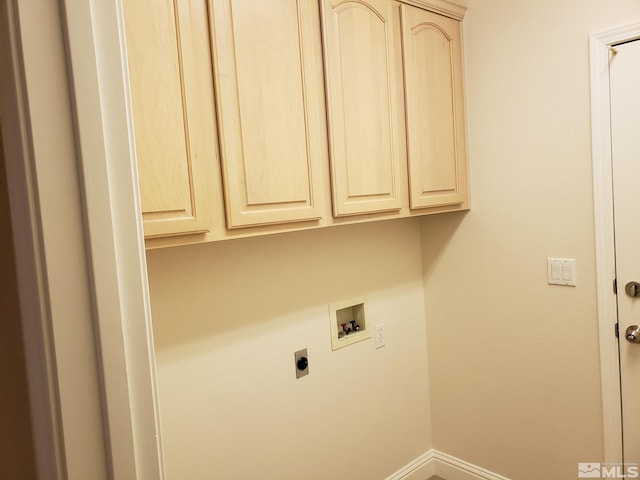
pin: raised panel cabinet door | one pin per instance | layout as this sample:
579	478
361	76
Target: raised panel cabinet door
270	103
434	106
170	147
364	92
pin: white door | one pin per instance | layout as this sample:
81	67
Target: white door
625	134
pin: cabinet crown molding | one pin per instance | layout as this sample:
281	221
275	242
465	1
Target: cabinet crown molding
443	7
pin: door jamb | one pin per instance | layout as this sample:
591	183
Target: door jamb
600	44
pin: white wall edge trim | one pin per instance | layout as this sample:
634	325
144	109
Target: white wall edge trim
443	465
599	44
115	239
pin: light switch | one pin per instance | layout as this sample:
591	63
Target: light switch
556	270
561	271
567	272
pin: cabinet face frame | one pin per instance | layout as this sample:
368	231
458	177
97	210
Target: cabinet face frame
364	99
167	97
434	102
270	108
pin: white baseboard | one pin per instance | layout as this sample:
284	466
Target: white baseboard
445	466
420	469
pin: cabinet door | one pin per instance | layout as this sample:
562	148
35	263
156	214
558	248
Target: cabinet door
434	109
270	102
364	91
170	148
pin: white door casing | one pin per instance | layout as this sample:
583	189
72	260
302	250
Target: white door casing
600	44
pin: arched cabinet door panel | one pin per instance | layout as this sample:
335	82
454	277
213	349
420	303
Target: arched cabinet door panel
434	109
364	97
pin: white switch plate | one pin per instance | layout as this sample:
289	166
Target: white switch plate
380	335
561	271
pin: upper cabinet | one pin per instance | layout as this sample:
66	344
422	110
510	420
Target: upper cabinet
434	109
267	66
364	94
255	116
170	123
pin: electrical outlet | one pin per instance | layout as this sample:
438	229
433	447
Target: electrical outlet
380	335
301	363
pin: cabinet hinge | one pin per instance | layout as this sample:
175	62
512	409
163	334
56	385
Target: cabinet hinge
615	286
617	331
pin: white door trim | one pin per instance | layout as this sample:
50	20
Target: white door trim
80	255
600	44
106	149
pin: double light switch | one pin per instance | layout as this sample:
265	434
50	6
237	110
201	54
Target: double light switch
561	271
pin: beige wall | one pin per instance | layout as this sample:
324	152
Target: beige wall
513	361
228	318
16	448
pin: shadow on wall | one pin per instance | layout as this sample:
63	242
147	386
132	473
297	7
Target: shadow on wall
219	288
437	231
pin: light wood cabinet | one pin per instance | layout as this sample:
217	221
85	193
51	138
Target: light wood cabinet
364	95
254	116
270	105
172	146
434	109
